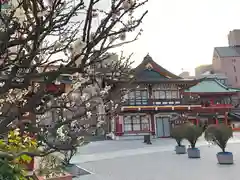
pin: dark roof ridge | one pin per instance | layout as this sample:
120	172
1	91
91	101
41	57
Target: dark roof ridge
148	59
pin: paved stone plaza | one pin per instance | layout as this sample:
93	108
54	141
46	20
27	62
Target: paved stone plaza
133	160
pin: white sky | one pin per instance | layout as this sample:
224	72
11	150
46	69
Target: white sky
182	33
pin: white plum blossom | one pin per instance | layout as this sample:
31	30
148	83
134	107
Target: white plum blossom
16	131
74	123
43	13
91	90
57	82
89	114
60	133
38	107
79	60
76	85
79	82
77	46
26	139
84	97
100	123
88	105
64	95
68	104
2	84
105	90
82	51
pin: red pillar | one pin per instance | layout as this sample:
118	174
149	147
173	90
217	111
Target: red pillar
119	129
216	121
226	118
212	101
197	121
152	124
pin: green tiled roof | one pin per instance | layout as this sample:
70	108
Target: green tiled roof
228	51
150	75
210	86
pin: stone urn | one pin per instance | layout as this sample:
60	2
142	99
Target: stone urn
193	153
225	158
180	149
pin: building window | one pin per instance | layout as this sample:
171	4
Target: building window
168	95
162	94
137	97
234	68
127	123
158	94
236	79
174	94
136	123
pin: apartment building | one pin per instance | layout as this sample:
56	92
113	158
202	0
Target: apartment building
226	60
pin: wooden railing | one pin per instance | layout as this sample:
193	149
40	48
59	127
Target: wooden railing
152	102
169	102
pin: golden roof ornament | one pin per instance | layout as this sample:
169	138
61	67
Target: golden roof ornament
149	66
